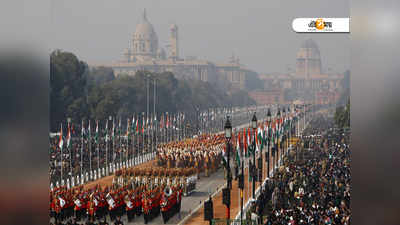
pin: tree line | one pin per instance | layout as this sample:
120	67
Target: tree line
80	92
342	115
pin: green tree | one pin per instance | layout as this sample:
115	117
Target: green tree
100	75
67	86
80	93
342	116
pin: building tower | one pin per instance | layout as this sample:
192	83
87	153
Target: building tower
308	60
127	54
174	44
145	41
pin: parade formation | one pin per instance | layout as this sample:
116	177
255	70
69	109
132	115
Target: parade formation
133	192
158	188
202	153
139	191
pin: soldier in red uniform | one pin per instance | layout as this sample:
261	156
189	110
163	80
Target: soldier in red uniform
91	208
129	202
52	206
138	201
102	205
146	205
78	205
112	204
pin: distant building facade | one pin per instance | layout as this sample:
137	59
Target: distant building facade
307	82
144	53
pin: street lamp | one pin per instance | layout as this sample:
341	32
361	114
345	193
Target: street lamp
254	121
228	129
254	126
228	136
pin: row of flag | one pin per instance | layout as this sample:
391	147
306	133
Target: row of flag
271	132
133	127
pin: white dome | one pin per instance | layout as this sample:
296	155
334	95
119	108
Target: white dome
145	31
145	41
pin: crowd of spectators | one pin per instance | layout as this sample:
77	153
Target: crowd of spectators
313	185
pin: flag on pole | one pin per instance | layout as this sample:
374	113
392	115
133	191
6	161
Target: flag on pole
143	124
249	145
245	141
113	130
133	125
119	127
151	123
128	128
260	138
83	133
96	137
69	137
137	124
72	129
60	141
89	131
225	157
167	122
162	121
155	122
238	150
106	130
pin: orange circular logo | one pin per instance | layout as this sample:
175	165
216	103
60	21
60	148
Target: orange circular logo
320	24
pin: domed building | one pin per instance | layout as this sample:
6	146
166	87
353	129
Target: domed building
308	60
144	46
144	53
308	82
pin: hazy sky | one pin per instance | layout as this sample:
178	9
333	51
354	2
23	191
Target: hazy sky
259	32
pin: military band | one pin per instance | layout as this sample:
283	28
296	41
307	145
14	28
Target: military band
148	191
203	153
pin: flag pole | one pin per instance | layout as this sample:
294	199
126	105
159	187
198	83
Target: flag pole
142	150
127	144
133	136
61	154
120	146
156	134
69	148
148	143
106	161
166	128
90	150
81	167
137	140
98	148
113	144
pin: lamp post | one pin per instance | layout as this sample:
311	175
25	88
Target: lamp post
228	136
254	126
269	140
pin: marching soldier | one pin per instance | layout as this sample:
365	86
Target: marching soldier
129	202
